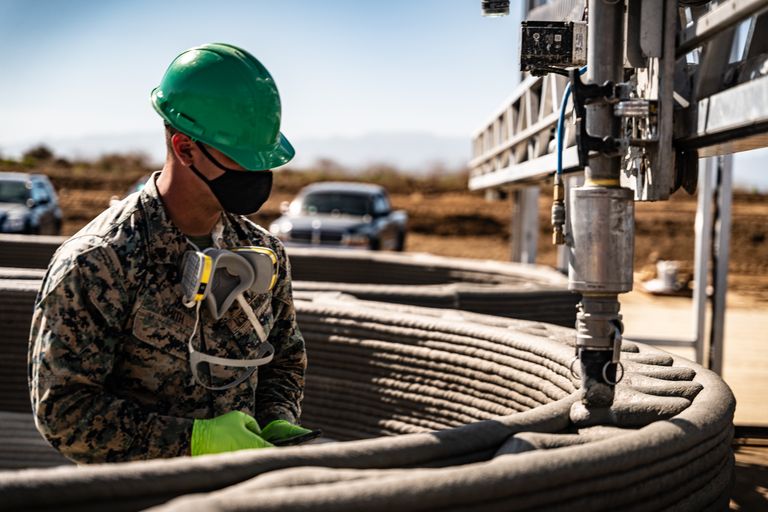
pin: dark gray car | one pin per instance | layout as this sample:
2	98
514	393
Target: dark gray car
28	204
342	214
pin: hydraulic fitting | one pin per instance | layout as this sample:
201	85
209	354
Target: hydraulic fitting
558	211
598	347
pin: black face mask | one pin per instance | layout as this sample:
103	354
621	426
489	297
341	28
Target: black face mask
239	192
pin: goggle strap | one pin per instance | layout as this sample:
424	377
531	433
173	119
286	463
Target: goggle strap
210	157
223	361
195	356
192	352
239	381
248	310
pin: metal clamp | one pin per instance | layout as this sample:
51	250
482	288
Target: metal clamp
570	368
605	373
618	328
586	94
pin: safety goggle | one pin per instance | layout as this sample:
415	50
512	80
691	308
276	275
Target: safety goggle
220	277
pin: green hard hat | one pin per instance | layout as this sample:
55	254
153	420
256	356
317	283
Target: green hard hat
222	96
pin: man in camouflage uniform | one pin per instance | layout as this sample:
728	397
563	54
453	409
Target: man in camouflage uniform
110	376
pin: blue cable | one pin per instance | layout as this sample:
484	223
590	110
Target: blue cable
561	123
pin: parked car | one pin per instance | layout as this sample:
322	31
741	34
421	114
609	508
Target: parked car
340	214
28	204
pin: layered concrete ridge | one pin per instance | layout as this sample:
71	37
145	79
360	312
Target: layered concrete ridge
443	410
28	251
515	290
18	289
529	292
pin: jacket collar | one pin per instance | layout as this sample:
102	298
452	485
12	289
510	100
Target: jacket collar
166	243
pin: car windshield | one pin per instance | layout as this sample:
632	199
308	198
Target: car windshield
13	191
336	202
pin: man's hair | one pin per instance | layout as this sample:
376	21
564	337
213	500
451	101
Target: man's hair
170	131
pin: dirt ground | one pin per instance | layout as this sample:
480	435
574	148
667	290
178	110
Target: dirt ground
465	225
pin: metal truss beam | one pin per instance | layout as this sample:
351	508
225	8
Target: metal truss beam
517	145
512	144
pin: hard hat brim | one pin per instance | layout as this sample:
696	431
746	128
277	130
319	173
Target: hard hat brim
252	159
261	159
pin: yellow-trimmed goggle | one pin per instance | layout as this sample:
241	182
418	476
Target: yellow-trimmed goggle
220	275
264	263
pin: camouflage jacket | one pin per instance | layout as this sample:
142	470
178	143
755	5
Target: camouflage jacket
109	366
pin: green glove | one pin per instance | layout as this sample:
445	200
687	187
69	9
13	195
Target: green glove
226	433
282	432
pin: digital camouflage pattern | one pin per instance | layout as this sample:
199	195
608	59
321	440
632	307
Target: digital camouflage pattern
109	367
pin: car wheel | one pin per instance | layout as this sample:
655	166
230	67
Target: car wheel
374	244
32	229
400	243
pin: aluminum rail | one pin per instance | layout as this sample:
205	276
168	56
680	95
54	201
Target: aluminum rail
729	124
724	16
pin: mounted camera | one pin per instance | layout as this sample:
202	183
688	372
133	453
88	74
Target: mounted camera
552	46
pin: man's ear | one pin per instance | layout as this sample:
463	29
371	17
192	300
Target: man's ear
182	147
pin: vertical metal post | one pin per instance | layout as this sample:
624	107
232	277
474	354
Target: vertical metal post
602	222
703	244
525	225
721	251
531	226
605	61
516	237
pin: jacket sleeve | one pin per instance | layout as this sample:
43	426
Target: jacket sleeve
281	382
77	328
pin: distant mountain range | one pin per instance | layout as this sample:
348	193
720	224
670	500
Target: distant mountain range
414	152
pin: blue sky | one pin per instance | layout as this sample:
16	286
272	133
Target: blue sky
82	70
343	67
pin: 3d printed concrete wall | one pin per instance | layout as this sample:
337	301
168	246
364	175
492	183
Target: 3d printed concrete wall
488	418
514	290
